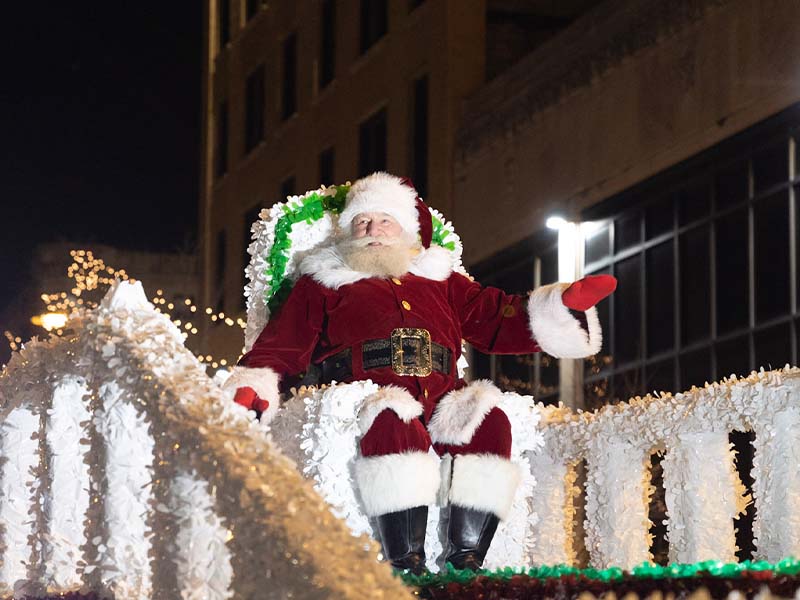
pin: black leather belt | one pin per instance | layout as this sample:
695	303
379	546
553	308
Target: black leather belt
408	352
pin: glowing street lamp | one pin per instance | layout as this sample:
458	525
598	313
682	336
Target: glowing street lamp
50	320
571	244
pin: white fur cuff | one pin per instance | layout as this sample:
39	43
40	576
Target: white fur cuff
388	397
397	481
459	413
261	379
556	331
484	482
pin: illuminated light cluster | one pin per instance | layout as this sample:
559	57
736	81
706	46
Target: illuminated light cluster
216	317
13	341
89	273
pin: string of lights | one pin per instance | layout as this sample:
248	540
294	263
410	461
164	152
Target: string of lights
89	274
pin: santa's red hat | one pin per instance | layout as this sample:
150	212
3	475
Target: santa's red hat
395	196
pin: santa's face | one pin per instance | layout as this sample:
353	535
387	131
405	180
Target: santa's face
378	245
378	225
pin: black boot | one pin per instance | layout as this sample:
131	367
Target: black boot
403	538
469	534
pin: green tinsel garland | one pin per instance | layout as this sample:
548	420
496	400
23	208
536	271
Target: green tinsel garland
788	566
312	208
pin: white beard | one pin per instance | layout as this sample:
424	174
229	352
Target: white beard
391	259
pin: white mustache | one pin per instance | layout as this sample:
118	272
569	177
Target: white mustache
367	240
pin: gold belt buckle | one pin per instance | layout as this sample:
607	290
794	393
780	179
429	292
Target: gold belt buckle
422	341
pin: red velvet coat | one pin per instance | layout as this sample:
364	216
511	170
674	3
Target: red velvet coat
316	322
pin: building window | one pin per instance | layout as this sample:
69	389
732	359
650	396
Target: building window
703	258
289	92
287	188
419	135
372	144
327	59
707	282
374	22
252	7
250	217
223	22
326	166
218	293
221	153
254	109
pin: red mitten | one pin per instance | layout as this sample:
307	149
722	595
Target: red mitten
586	292
247	397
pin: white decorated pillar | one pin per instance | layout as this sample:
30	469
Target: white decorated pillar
68	496
19	454
126	496
776	485
203	561
703	496
617	496
552	498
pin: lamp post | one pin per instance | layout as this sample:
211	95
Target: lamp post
571	246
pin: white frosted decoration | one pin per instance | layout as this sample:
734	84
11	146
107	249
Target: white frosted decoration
20	455
703	495
124	295
124	556
776	471
318	430
284	541
513	543
552	532
303	238
67	443
203	560
617	492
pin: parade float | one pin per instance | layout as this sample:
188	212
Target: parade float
125	473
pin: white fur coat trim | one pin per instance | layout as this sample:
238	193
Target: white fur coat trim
397	481
263	380
556	331
327	266
484	482
459	413
381	192
389	397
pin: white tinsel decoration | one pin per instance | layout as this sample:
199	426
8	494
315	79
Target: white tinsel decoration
675	423
155	416
204	572
20	455
318	429
68	496
703	496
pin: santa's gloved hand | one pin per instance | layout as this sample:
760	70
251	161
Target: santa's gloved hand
247	397
586	292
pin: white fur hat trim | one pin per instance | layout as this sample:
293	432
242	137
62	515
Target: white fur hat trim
381	192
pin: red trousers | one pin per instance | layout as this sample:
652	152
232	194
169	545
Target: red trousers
390	435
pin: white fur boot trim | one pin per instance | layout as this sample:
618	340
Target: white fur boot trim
556	331
392	397
459	413
397	481
484	482
263	380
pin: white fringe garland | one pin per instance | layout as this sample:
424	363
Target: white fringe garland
69	484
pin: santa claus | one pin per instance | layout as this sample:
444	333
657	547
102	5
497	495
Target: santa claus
382	303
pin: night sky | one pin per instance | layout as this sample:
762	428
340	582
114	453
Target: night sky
99	128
